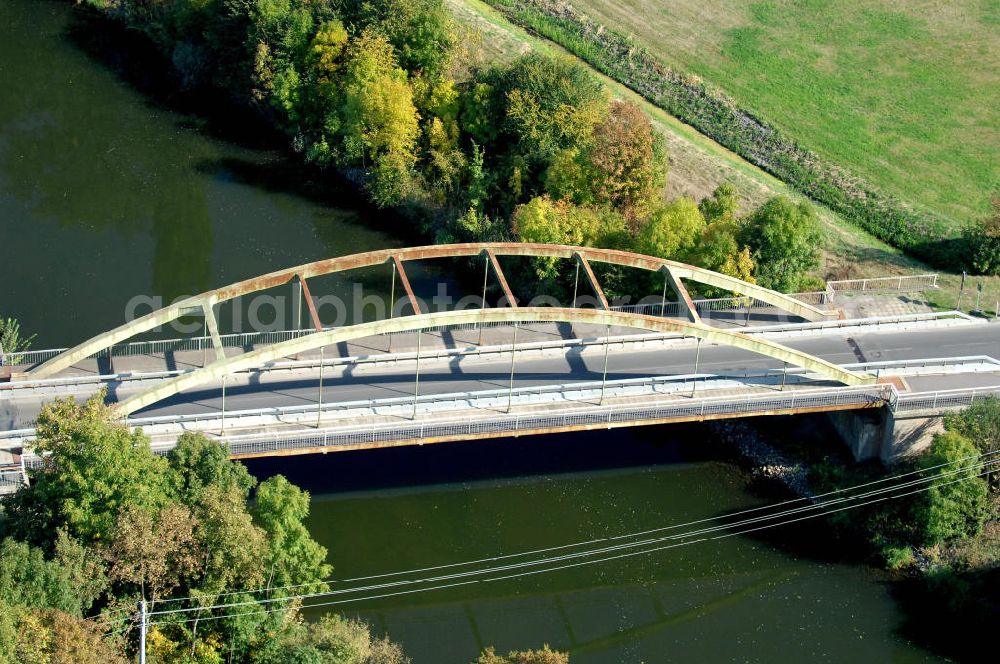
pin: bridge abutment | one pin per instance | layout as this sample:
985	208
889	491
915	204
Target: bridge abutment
880	434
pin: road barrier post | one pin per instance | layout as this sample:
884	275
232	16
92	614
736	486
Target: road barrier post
416	379
392	300
319	407
510	388
694	378
604	376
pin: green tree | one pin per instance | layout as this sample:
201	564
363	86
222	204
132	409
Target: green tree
983	242
525	114
718	250
94	468
293	556
784	240
421	31
28	579
231	550
673	230
560	222
332	639
721	206
951	508
11	340
980	423
198	463
381	124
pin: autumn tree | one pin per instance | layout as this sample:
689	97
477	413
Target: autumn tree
628	160
49	636
154	553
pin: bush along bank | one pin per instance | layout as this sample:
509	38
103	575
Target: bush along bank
720	118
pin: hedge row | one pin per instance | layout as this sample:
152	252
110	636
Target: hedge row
717	116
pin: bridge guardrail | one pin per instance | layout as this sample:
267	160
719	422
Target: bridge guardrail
780	329
604	415
938	364
695	408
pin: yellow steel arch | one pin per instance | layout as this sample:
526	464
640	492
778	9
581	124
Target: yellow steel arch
216	370
202	304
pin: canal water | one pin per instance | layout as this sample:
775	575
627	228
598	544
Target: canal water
108	191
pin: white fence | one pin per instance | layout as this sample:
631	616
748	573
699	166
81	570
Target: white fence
915	282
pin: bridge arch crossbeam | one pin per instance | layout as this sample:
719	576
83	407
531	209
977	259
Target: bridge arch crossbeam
202	304
215	371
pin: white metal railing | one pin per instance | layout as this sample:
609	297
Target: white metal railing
693	408
49	386
914	282
11	479
593	415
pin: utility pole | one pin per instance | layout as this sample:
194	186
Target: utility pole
961	291
416	380
482	302
142	631
697	358
979	294
576	283
392	300
319	408
510	387
604	376
297	305
222	432
663	298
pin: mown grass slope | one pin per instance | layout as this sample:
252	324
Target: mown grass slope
904	93
698	164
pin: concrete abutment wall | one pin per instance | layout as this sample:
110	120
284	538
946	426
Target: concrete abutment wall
881	434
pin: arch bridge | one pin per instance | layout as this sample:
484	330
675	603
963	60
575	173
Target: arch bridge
674	273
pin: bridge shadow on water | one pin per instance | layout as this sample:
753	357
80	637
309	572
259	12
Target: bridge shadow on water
445	463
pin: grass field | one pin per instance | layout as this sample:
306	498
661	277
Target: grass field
904	93
698	165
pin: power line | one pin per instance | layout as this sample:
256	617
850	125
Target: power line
584	554
576	564
585	542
